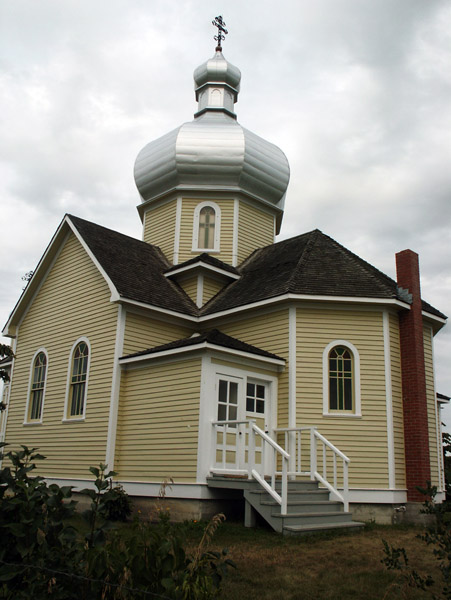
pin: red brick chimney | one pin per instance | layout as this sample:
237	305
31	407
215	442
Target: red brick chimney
416	436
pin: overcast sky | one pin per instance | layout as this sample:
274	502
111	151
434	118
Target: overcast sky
355	92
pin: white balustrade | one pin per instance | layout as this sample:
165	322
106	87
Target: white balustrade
304	447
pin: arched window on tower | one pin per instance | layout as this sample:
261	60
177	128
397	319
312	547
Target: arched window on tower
341	379
207	218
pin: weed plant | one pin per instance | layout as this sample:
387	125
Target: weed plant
44	555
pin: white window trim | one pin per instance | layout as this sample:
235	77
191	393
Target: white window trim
66	417
27	420
357	401
197	210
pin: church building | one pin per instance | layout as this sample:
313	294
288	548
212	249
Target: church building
210	354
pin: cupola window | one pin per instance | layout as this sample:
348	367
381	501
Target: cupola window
207	218
207	228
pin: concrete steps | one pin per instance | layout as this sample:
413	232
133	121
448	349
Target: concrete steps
309	507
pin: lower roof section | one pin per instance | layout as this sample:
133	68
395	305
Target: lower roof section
213	339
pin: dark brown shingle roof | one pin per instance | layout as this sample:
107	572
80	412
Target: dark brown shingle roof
209	260
309	264
135	267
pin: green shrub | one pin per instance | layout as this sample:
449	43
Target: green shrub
42	557
437	535
116	504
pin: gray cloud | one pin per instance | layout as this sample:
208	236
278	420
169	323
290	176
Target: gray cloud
356	93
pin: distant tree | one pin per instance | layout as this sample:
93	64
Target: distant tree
28	275
447	463
5	351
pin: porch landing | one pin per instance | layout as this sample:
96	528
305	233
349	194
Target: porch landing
309	508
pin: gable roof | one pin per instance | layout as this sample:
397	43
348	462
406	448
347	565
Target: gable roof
213	337
135	268
207	259
311	264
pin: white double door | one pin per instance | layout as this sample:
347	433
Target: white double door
240	399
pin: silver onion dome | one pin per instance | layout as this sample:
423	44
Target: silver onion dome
213	152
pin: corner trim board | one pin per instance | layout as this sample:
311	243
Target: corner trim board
115	389
389	401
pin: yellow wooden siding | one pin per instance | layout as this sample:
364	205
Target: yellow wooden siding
142	332
269	332
158	422
431	401
238	364
255	230
72	302
186	230
211	288
364	439
189	286
159	227
397	404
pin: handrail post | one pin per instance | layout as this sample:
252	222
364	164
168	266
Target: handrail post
283	508
251	451
313	468
214	446
345	487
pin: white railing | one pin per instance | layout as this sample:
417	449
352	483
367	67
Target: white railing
304	452
268	444
307	453
232	453
269	452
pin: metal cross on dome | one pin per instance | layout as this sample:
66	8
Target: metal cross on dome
220	24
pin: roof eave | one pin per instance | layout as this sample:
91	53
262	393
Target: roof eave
202	266
394	302
33	285
44	265
278	362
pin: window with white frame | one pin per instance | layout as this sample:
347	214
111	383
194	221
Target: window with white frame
341	379
206	227
227	399
38	375
78	379
255	398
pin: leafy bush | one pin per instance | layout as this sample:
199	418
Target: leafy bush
41	556
116	504
438	535
36	538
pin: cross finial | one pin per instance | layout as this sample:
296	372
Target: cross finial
219	23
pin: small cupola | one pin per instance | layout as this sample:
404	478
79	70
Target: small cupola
217	83
212	174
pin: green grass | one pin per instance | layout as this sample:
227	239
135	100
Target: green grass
320	567
325	566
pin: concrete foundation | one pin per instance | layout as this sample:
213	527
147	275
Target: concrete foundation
391	514
180	509
183	509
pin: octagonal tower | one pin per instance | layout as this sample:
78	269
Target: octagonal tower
211	185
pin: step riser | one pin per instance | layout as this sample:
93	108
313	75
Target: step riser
313	519
308	530
313	508
297	498
309	508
